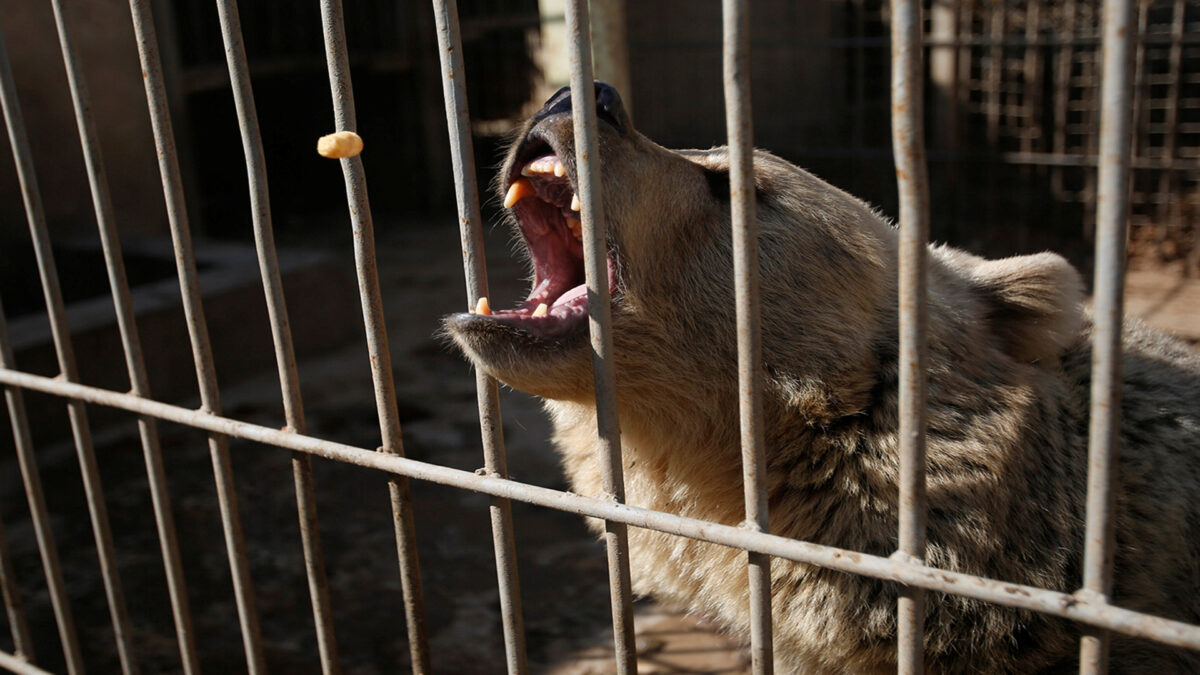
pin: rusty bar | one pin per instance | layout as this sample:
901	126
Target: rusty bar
1112	210
17	624
281	332
338	63
908	140
1075	607
135	366
739	125
458	122
193	309
16	664
595	256
60	332
47	548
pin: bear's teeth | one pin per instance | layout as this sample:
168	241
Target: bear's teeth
520	189
547	164
576	228
542	310
482	307
575	205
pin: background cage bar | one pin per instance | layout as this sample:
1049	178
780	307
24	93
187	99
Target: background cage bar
135	364
47	548
193	308
55	307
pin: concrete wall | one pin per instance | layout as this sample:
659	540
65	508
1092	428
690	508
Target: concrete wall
103	37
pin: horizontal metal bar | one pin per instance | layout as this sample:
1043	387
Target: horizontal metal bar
1078	608
19	665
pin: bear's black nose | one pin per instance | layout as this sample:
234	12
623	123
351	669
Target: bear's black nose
608	106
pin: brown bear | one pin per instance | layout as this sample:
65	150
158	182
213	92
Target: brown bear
1009	362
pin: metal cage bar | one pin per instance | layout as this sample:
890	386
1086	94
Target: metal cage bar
17	623
135	364
61	336
470	222
1111	215
193	309
281	332
739	124
14	663
342	92
1076	607
47	548
908	139
616	535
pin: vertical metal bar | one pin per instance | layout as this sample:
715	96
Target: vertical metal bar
616	536
1111	216
47	548
281	332
193	309
739	124
32	481
338	63
474	267
77	411
131	346
13	607
908	139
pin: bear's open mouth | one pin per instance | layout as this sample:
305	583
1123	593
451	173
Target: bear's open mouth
542	196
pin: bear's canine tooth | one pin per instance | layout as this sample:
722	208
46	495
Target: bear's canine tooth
520	189
482	307
542	310
559	170
576	227
575	205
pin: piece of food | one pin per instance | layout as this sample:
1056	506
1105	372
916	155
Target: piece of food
340	145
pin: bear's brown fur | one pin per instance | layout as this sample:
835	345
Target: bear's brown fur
1009	353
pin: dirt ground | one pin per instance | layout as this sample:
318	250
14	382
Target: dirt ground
562	566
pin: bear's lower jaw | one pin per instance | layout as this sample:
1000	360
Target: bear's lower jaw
546	363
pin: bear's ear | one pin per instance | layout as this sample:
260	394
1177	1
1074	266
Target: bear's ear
1034	303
